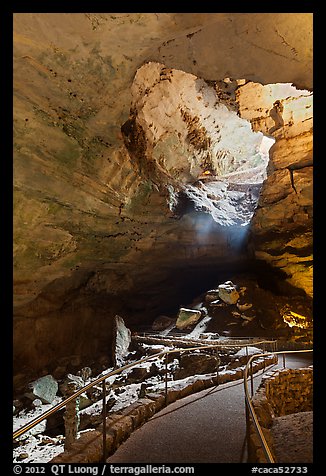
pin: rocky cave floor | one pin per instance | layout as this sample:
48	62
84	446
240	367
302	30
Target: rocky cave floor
239	308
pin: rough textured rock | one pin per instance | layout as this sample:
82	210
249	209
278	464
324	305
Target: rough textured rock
44	388
71	384
94	233
137	374
187	318
212	296
262	319
190	120
193	364
71	412
121	341
242	356
228	293
282	223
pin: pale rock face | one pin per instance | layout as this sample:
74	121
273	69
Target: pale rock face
228	293
44	388
303	185
276	187
121	341
187	318
291	152
188	130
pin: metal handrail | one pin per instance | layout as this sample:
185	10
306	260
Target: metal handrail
176	335
101	379
249	405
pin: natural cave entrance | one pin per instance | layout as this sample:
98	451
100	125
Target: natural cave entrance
229	197
207	144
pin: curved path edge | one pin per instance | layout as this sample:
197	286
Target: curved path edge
88	448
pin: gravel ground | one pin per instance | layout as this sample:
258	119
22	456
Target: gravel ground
293	438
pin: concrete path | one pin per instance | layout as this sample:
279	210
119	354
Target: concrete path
207	427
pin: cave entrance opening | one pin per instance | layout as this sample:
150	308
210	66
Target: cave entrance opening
206	141
188	136
208	146
230	197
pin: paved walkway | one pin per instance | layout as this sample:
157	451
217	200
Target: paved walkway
207	427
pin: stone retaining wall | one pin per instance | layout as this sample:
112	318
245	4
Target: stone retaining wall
283	392
119	426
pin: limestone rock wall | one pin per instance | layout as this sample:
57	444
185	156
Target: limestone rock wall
181	128
282	224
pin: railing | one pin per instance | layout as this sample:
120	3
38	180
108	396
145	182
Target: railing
184	335
249	406
103	378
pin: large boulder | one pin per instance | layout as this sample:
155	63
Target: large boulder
44	388
187	318
195	363
137	374
228	292
241	357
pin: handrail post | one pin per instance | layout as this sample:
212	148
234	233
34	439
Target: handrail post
251	379
71	419
247	429
283	361
166	380
251	373
217	369
104	420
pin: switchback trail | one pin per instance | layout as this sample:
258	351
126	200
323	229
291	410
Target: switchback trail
207	427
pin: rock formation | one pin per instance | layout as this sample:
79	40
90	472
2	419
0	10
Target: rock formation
121	341
113	198
187	318
282	224
44	388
